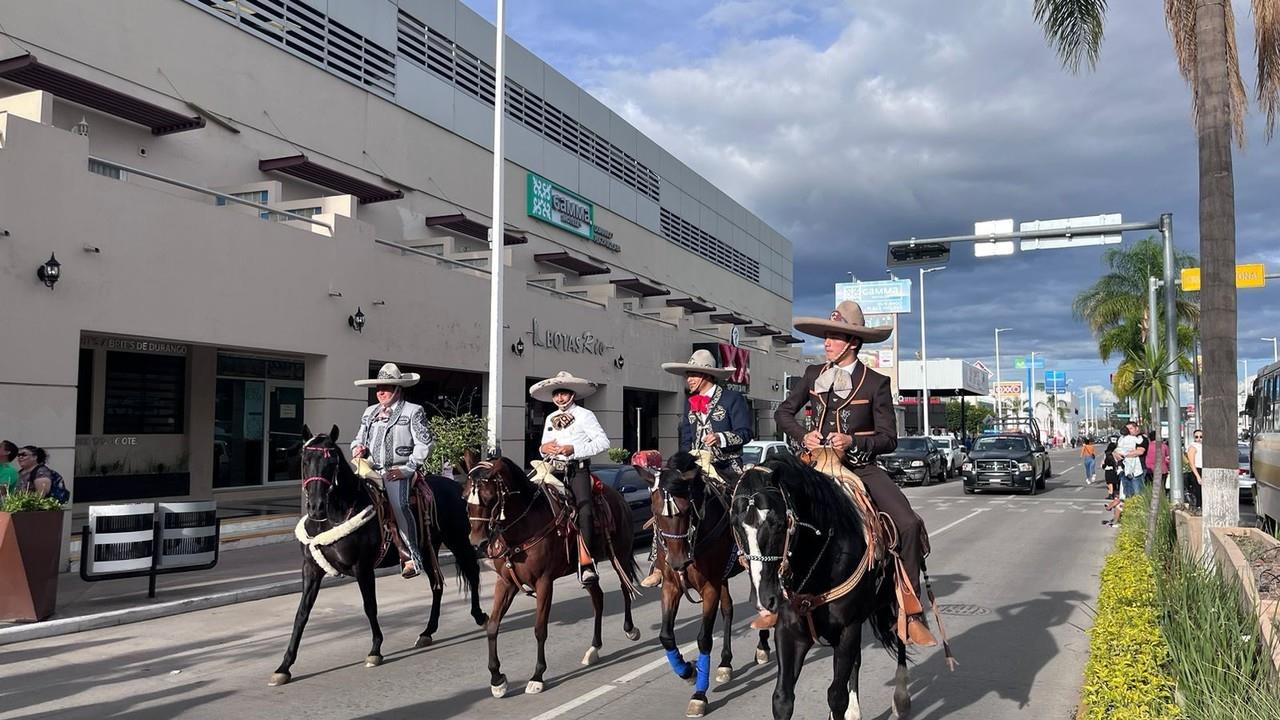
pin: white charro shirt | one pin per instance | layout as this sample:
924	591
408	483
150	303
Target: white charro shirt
576	426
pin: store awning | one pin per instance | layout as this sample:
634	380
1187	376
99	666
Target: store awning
691	304
762	330
26	70
572	263
730	319
787	339
301	167
641	287
464	224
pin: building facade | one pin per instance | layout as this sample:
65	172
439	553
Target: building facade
254	203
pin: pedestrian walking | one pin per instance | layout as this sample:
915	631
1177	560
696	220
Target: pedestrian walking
1086	452
1156	460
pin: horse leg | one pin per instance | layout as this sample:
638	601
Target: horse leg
702	679
468	564
901	694
311	575
842	694
724	673
762	648
503	593
437	589
597	605
793	644
542	617
667	634
369	596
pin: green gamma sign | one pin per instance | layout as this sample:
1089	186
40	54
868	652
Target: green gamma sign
568	211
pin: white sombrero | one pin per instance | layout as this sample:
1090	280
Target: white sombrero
544	389
702	361
846	319
390	374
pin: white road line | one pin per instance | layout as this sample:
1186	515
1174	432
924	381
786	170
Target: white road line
944	528
587	697
1054	511
650	666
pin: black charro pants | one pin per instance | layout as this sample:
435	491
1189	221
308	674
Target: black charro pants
890	500
580	485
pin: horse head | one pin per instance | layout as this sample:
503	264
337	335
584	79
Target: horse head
490	486
763	523
678	504
322	461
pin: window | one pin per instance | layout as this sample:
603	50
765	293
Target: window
97	167
145	394
257	196
84	393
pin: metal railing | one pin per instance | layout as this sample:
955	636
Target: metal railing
650	317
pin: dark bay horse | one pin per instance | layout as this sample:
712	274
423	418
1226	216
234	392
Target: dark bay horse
339	509
802	537
531	542
692	519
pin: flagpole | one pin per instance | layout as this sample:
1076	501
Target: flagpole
496	236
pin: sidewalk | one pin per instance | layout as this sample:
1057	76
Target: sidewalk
241	575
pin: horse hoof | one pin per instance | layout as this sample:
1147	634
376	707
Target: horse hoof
481	619
373	661
724	674
278	679
499	690
633	634
697	708
762	656
423	641
533	688
592	657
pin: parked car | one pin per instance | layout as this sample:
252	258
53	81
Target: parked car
953	451
757	451
1246	481
634	490
1015	461
916	460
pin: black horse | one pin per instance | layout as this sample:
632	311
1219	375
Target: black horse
699	554
802	537
338	504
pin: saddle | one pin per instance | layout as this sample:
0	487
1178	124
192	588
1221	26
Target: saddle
422	504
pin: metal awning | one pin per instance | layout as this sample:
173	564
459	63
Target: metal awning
464	224
730	319
572	263
787	339
691	304
760	330
640	286
26	70
301	167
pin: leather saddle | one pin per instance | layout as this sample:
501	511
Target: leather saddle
422	505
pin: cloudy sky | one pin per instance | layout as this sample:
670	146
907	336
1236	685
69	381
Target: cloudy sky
848	124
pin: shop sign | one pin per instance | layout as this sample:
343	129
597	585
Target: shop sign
583	343
132	344
554	205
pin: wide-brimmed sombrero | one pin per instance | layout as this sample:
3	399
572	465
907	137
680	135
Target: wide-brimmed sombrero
544	389
390	374
702	361
846	319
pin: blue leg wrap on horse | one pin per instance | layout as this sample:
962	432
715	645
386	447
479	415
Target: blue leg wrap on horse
678	663
704	673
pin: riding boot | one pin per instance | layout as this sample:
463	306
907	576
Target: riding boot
580	483
406	526
654	578
765	620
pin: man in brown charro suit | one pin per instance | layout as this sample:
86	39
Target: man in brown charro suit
853	413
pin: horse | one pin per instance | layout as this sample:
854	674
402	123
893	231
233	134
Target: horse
532	542
341	512
692	520
803	542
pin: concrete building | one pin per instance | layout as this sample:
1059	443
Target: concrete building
189	336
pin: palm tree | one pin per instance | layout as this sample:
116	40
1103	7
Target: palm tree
1204	43
1154	373
1116	308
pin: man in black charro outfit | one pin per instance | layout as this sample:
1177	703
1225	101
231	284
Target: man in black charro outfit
853	412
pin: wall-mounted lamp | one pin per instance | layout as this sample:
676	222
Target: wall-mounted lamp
776	386
619	362
334	292
356	321
49	272
81	128
517	347
379	303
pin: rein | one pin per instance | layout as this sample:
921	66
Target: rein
499	530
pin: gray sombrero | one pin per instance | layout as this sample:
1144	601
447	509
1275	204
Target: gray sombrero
846	319
702	361
544	389
390	374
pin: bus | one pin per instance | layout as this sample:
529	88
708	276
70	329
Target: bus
1263	410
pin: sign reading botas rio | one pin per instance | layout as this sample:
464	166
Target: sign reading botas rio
586	342
566	210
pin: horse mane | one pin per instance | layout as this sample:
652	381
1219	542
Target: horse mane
514	472
675	482
819	501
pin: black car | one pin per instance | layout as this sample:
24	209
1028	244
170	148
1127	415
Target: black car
915	460
635	491
1012	461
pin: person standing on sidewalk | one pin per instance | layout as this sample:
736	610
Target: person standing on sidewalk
1129	452
1195	461
1156	460
1086	452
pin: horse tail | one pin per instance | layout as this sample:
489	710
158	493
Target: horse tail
884	621
455	530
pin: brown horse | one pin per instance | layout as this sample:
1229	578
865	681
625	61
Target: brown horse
699	554
531	542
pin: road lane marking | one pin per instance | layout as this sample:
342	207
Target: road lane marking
590	695
650	666
944	528
1054	511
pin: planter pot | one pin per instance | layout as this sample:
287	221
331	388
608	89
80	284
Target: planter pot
1189	530
1235	565
30	543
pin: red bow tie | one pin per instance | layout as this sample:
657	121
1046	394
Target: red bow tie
699	403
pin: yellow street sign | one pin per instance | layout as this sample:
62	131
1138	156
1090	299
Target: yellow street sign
1252	275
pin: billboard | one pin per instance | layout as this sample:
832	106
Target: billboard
879	297
1007	388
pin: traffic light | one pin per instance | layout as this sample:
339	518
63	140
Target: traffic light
925	253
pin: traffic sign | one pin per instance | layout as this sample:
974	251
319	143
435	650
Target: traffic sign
1122	416
1075	232
1020	363
993	247
1250	275
1055	381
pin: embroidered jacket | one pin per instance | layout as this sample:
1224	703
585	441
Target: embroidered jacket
401	439
728	416
578	427
852	401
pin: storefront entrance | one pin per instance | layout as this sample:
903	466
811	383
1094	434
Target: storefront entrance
258	416
639	419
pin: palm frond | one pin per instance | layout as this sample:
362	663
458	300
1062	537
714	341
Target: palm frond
1074	27
1266	34
1180	19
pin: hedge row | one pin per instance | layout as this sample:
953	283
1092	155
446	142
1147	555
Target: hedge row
1127	675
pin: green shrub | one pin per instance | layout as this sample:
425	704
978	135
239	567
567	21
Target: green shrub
451	435
28	502
619	455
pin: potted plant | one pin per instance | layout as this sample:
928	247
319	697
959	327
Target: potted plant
30	543
451	435
619	455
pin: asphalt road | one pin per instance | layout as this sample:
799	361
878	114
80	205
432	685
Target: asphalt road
1016	576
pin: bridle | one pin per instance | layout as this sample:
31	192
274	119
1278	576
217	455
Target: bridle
327	484
792	525
496	523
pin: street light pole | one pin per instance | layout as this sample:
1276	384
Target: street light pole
495	241
1275	355
999	400
924	357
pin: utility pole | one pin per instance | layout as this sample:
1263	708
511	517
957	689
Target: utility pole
496	237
